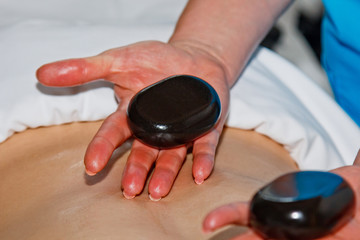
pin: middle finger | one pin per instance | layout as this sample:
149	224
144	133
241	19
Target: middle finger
167	167
137	168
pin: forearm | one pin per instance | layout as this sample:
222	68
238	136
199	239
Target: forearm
229	30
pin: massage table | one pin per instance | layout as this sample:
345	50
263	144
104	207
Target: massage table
280	120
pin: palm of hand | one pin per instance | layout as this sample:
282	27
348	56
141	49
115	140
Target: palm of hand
132	68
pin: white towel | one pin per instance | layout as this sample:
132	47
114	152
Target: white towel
275	98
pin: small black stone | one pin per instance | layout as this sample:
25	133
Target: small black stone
174	111
302	205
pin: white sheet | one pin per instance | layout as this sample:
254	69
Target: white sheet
271	97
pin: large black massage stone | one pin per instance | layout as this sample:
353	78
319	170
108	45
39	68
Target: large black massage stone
174	111
302	205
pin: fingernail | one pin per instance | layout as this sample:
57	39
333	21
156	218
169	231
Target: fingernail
127	196
89	173
199	181
154	199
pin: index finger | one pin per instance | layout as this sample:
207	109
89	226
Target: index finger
113	132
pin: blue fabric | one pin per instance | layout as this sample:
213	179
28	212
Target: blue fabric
341	52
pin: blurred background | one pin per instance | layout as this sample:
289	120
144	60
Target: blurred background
296	36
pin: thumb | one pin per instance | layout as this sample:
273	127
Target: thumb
234	213
74	71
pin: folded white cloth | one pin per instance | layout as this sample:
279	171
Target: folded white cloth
276	99
272	96
27	45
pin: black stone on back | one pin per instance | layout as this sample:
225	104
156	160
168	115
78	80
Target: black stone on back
174	111
302	205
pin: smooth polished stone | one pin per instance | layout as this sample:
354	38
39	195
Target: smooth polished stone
302	205
174	111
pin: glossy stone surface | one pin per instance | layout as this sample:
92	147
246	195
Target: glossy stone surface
174	111
302	205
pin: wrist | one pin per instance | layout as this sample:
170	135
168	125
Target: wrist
214	60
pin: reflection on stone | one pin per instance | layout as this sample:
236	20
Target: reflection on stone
174	111
302	205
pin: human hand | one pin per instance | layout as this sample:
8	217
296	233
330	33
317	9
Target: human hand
238	213
132	68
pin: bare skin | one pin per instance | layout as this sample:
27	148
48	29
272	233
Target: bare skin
200	47
45	193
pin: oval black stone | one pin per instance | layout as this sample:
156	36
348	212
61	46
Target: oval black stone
302	205
174	111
